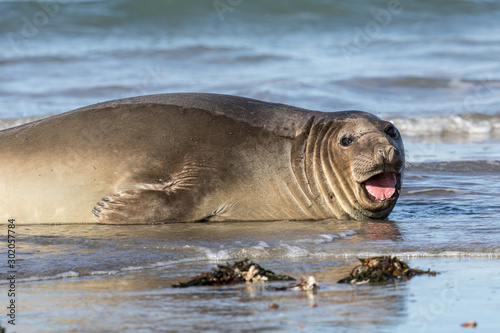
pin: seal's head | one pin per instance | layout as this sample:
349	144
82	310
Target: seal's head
372	154
355	162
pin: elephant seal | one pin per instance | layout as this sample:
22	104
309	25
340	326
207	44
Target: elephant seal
197	157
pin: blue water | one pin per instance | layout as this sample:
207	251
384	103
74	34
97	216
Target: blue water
430	67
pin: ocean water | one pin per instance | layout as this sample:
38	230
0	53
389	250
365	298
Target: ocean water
430	67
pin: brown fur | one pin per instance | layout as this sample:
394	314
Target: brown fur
194	157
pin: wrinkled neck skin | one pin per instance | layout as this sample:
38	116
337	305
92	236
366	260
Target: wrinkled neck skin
329	183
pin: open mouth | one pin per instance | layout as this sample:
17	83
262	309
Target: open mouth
381	186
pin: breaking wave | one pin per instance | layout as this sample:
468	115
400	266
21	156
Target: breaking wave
452	125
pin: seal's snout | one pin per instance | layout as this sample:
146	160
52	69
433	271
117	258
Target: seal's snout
384	184
388	154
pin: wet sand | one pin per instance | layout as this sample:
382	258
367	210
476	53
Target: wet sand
143	301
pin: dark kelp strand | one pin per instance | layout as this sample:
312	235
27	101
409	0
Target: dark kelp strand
244	271
382	269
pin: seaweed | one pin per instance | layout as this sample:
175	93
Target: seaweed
382	269
374	270
244	271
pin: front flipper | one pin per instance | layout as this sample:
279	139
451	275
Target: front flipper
143	206
146	199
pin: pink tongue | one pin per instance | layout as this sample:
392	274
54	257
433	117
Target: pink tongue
382	186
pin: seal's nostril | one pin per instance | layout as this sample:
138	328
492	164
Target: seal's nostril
389	153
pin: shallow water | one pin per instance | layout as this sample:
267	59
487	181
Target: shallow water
430	67
99	279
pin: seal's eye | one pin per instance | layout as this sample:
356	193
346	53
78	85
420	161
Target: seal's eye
347	140
392	132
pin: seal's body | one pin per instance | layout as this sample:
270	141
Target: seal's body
195	157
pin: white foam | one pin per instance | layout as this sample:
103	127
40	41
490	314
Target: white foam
342	234
295	251
104	273
64	275
327	237
469	124
419	254
261	246
133	268
350	232
217	256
